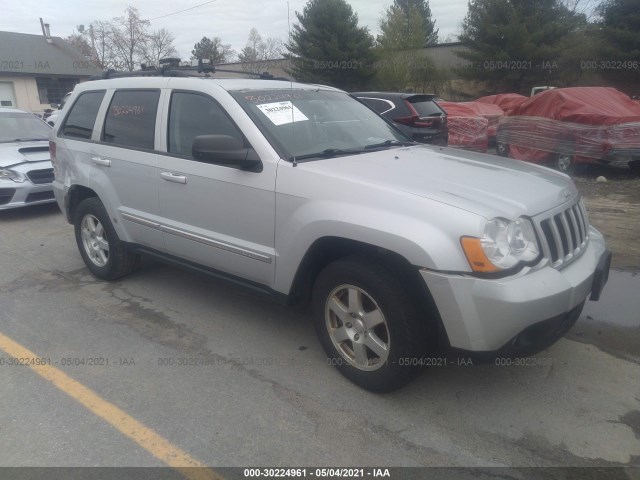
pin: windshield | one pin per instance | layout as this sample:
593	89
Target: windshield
317	123
22	127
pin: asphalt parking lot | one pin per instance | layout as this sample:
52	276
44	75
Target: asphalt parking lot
225	378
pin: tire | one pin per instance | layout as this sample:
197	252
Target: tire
565	163
502	149
358	304
102	251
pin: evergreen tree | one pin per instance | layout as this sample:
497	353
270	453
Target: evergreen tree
403	64
619	52
213	50
328	46
428	24
515	44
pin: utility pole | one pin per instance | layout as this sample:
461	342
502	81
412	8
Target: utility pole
93	46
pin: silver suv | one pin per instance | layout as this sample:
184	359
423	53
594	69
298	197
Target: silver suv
303	193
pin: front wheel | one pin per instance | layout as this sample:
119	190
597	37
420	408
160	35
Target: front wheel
101	249
369	324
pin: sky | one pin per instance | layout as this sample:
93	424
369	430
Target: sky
229	19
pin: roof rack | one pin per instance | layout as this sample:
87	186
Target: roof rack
170	67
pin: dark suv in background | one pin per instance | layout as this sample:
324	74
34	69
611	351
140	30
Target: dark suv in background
417	115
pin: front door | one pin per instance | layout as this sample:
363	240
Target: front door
213	215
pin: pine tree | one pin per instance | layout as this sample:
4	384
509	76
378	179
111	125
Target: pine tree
515	44
213	50
328	46
620	44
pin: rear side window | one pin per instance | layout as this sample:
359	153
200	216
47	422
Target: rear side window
379	106
191	115
131	119
82	117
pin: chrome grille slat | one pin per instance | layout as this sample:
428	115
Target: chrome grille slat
564	233
571	233
556	238
578	216
577	239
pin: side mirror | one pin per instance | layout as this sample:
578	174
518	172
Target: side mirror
55	106
225	150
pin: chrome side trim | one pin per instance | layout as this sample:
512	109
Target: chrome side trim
140	221
197	238
217	244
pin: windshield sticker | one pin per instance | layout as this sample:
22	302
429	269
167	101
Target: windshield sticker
281	113
270	97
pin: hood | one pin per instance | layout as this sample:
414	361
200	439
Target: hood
483	184
16	153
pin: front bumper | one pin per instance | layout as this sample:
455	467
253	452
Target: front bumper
487	315
14	195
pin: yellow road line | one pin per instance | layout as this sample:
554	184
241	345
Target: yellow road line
155	444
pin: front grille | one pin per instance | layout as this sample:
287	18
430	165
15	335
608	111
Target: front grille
6	194
35	197
564	234
41	176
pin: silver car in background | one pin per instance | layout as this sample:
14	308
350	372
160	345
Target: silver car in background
26	172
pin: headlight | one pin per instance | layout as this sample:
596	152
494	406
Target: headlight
504	245
11	175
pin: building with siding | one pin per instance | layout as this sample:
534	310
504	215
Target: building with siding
36	71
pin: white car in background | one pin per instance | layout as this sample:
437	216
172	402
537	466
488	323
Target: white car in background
53	118
26	173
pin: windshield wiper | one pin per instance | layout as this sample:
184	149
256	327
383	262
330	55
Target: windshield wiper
390	143
328	153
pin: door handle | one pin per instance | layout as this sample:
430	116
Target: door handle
173	177
101	161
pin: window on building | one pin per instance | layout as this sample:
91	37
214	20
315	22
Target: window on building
52	89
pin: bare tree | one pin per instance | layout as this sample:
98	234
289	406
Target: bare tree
585	7
79	42
159	45
129	38
257	52
102	44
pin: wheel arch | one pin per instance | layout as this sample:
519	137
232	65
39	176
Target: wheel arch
76	194
326	250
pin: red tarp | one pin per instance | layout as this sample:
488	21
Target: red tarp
467	129
506	101
587	122
489	111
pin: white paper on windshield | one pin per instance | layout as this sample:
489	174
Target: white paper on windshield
281	113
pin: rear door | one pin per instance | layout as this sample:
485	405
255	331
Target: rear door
124	164
75	139
218	216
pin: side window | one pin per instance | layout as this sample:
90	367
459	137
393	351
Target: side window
191	115
131	118
82	117
379	106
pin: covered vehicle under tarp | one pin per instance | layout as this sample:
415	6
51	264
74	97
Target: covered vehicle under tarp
506	101
467	129
489	111
583	124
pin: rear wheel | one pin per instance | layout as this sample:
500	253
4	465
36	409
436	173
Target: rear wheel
369	325
101	249
565	163
502	149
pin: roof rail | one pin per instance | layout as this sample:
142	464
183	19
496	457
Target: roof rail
170	67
